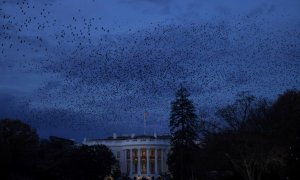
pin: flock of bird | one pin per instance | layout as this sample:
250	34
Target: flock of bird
102	80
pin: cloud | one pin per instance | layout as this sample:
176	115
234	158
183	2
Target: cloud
168	53
101	81
123	75
59	122
159	2
23	1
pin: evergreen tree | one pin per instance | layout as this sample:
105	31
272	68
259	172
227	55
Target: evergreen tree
183	128
18	149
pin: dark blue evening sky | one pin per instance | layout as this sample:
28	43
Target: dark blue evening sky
90	68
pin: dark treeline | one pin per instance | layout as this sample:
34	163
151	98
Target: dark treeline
24	156
252	139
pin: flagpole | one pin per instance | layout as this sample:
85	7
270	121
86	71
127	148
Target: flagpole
145	116
144	123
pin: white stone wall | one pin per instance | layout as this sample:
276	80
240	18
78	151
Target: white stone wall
119	148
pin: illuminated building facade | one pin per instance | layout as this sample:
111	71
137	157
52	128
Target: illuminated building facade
139	156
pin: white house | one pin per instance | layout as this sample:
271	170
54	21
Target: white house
142	156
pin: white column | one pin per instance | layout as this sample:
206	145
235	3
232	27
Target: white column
125	161
156	172
148	161
139	161
162	159
131	162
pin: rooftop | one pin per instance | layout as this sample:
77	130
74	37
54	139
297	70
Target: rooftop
126	137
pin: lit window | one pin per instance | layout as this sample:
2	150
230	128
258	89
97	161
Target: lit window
152	152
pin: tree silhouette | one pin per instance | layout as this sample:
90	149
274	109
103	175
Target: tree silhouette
237	113
285	125
65	161
183	128
18	149
259	136
24	156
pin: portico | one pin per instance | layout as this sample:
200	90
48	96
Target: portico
139	156
144	161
